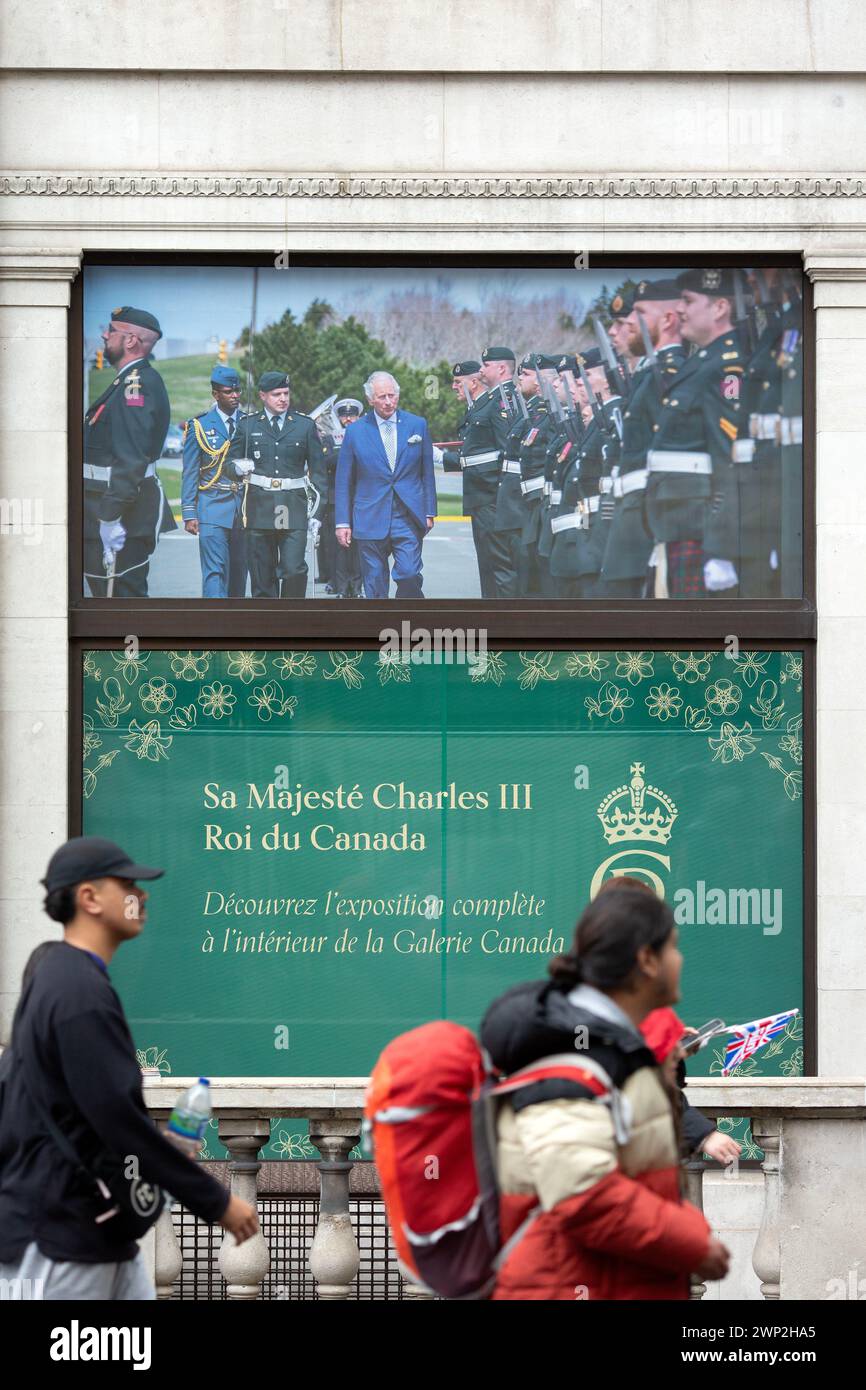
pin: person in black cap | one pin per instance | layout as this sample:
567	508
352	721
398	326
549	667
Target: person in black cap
277	453
486	432
629	543
210	495
72	1061
347	581
125	508
520	484
620	331
691	495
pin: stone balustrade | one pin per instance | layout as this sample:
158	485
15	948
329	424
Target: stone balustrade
812	1236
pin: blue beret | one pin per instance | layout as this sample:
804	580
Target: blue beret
224	376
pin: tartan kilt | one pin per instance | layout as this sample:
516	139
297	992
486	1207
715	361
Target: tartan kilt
685	569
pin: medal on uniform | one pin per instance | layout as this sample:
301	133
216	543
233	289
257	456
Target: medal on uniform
531	437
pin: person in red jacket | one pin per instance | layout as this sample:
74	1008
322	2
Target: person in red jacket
598	1158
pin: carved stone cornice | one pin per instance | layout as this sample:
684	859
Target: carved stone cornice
452	186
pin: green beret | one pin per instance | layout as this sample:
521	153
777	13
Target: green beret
140	318
470	368
657	290
272	381
715	283
589	359
497	354
621	306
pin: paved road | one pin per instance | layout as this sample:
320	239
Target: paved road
450	570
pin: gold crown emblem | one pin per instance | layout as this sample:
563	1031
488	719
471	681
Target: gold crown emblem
640	823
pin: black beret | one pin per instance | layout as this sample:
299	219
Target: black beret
567	363
272	381
589	359
621	305
715	283
497	354
139	317
650	290
470	368
534	361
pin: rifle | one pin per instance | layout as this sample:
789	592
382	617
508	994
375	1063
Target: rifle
571	418
618	374
650	352
743	315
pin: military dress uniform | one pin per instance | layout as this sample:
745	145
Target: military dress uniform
767	431
286	456
580	523
691	493
211	494
532	454
484	436
629	543
124	435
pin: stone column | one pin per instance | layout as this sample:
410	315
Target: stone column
168	1258
244	1266
34	300
695	1194
334	1254
767	1255
839	280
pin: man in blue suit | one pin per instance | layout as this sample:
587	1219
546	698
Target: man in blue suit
211	495
386	493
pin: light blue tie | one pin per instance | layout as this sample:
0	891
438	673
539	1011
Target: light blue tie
389	429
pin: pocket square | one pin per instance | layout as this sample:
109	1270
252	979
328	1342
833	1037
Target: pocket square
414	439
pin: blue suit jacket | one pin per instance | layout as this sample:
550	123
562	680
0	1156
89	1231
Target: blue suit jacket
217	505
366	486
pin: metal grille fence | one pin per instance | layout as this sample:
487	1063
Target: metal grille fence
288	1223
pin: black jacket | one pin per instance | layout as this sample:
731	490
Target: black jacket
71	1037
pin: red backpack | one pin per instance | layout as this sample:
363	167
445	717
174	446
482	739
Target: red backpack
431	1112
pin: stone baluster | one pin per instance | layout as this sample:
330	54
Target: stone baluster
244	1266
168	1259
334	1255
767	1255
695	1168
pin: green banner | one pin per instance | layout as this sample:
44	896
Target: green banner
356	844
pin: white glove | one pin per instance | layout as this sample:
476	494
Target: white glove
244	466
719	574
438	456
113	537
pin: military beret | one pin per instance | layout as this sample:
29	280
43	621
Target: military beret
536	361
224	376
589	359
715	283
272	381
656	290
621	305
567	363
349	406
140	318
497	354
469	368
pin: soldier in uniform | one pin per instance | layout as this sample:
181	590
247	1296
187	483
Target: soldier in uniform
277	453
766	429
620	331
510	513
467	386
564	434
629	543
691	494
532	453
484	434
346	581
578	523
125	508
210	495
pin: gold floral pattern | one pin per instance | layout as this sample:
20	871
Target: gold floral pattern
611	703
216	700
536	668
765	706
733	744
147	741
690	667
723	697
490	666
751	666
586	665
345	668
634	667
392	666
290	664
190	666
129	667
247	666
270	699
113	702
157	695
664	702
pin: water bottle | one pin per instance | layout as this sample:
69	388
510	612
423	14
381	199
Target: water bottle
190	1117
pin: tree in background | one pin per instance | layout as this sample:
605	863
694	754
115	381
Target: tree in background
323	355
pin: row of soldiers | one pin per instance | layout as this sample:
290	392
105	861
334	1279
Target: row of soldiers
665	462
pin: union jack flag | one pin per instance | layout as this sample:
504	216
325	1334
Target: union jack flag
748	1037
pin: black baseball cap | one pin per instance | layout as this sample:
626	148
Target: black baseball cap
87	856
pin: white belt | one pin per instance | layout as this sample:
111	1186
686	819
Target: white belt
532	485
278	484
492	456
555	496
635	481
743	450
578	519
765	427
101	472
792	429
674	461
547	487
510	466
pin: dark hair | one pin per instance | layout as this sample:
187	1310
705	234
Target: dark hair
60	904
610	932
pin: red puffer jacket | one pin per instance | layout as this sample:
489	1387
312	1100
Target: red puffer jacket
612	1223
